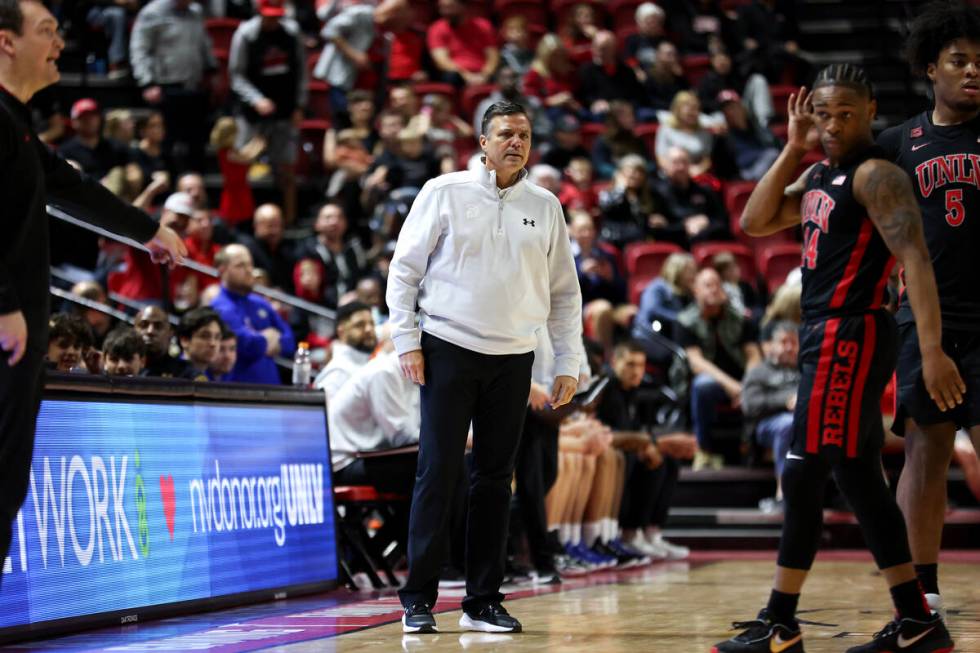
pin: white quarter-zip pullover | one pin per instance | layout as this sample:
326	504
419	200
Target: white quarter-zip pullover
484	268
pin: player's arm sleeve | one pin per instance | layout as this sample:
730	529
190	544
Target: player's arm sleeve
565	318
416	241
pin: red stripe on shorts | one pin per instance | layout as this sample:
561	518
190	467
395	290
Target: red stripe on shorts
815	409
854	412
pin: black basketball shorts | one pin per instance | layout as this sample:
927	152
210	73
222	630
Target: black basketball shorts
845	364
913	399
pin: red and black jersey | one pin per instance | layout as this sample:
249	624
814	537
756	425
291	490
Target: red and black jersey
944	164
845	261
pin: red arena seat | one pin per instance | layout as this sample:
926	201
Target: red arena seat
778	260
743	256
646	259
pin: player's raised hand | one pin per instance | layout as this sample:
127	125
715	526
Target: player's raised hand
800	111
942	379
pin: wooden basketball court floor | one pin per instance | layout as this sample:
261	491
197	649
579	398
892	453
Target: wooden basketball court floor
679	607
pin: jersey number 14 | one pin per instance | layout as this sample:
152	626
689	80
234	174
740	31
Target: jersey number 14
810	248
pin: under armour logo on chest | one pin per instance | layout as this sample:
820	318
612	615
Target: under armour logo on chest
528	222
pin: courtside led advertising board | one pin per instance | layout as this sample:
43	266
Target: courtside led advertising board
134	505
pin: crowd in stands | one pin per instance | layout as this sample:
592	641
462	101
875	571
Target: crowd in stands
651	124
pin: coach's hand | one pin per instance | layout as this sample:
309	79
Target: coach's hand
563	390
13	336
413	366
167	247
538	397
942	379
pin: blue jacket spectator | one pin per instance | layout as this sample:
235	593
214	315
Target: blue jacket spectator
598	271
668	294
260	332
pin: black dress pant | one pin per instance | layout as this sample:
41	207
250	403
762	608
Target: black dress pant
537	469
20	399
648	493
463	386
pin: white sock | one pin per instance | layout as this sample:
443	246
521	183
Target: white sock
652	533
591	532
611	529
564	533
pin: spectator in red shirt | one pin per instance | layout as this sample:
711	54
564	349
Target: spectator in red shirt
406	55
580	30
142	278
552	78
464	49
577	193
188	283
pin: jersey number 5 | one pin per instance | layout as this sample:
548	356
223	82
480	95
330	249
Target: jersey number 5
955	212
810	249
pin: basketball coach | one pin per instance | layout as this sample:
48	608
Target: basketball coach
482	262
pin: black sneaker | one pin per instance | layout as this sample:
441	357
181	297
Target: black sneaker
763	635
623	559
546	576
418	619
492	618
909	636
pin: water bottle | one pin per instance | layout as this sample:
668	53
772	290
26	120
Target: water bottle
302	366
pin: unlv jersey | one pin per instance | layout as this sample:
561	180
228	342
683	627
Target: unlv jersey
944	164
845	261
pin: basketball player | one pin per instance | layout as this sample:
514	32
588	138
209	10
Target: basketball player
940	151
857	212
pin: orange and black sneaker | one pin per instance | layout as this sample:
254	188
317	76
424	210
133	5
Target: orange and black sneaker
909	636
763	635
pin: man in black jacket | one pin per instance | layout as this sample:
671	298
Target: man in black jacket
32	176
696	212
606	77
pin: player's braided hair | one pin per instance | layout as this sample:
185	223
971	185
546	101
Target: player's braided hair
845	74
940	23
